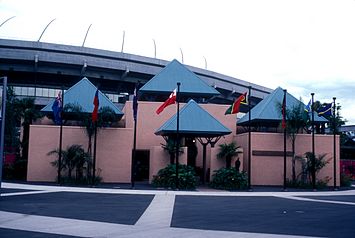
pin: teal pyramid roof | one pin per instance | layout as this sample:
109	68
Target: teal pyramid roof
194	120
165	82
267	111
83	93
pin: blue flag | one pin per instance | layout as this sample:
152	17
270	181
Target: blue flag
325	110
57	109
308	107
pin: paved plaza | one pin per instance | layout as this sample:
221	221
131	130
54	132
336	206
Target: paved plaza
58	211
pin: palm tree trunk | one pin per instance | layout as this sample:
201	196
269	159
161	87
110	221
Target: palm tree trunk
88	174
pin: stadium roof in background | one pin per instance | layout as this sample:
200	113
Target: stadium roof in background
41	64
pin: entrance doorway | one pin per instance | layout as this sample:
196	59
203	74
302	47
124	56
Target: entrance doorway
142	165
190	143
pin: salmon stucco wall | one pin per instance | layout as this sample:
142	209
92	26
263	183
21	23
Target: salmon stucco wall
113	156
268	170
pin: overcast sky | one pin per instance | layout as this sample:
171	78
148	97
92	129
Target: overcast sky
302	45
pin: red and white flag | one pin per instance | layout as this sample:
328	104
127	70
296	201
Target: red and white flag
96	107
169	101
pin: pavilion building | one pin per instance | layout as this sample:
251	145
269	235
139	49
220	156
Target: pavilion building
202	126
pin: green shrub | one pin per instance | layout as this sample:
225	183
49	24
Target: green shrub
166	177
229	179
306	184
345	180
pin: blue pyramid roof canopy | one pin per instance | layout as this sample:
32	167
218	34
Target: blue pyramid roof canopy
83	93
194	120
267	112
165	82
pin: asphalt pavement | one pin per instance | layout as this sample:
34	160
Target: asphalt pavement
28	210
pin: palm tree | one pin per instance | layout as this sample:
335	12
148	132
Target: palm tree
75	112
319	162
170	147
74	157
228	151
107	117
72	111
296	121
12	139
27	111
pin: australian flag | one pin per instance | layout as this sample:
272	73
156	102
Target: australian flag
57	109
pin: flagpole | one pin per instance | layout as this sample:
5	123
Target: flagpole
94	118
313	149
94	157
60	138
334	134
133	170
284	127
177	136
249	141
135	109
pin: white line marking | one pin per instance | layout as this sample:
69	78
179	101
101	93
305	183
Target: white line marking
163	192
26	193
159	213
315	200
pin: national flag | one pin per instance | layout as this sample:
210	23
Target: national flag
169	101
325	110
283	124
234	108
135	104
244	99
96	106
57	109
308	107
